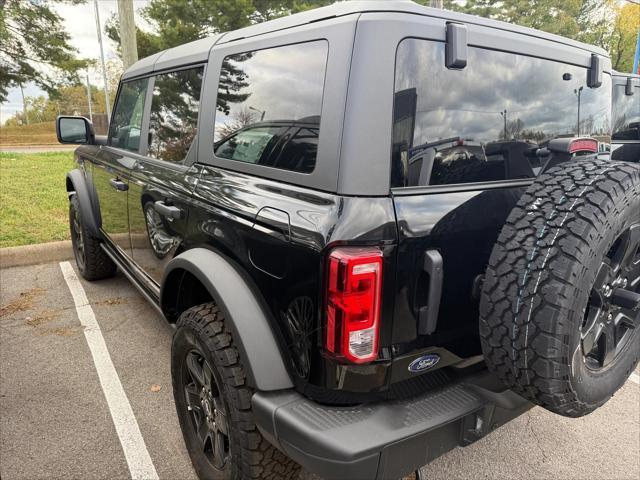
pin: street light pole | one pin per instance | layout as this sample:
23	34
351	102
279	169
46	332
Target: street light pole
504	116
261	112
578	92
104	68
24	106
89	97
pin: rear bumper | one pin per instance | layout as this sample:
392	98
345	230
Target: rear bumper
384	440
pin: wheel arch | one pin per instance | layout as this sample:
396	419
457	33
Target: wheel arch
208	276
76	183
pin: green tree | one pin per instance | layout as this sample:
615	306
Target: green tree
34	47
622	41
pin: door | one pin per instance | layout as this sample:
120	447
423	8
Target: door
461	159
163	179
113	163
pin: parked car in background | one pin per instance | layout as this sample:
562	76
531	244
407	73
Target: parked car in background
625	142
380	229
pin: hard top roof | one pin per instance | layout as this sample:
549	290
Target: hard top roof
624	75
198	51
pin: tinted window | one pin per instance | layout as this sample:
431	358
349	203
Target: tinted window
268	99
484	123
298	151
174	114
124	131
626	114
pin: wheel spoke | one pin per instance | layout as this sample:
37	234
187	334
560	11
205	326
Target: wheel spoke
195	369
208	376
633	275
591	335
607	345
629	318
192	397
204	433
221	421
627	248
219	453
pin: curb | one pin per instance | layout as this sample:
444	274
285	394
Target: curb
34	254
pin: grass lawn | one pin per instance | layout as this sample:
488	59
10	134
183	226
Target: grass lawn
33	198
32	134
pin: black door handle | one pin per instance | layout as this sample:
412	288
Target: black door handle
428	315
169	211
119	185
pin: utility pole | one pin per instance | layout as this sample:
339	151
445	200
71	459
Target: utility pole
504	116
128	42
89	97
578	92
104	68
24	106
436	3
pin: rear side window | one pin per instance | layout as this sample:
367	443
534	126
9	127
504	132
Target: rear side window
626	114
173	120
269	105
126	123
484	123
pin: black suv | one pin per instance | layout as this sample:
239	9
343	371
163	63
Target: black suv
625	141
379	229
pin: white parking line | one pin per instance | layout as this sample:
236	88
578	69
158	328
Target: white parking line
635	378
135	450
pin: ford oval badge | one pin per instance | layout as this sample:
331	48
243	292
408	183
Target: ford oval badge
424	362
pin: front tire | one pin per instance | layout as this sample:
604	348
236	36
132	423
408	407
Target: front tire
93	263
213	403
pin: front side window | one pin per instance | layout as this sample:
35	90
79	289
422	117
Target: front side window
173	120
626	114
485	122
126	123
268	98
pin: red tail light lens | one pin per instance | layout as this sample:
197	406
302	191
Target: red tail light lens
354	281
583	145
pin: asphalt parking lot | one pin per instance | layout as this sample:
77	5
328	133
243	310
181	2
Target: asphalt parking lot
55	421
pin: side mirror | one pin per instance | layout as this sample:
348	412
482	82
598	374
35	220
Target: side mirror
75	130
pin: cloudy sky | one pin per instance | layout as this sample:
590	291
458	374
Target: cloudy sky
79	21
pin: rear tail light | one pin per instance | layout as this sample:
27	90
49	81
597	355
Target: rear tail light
583	145
354	281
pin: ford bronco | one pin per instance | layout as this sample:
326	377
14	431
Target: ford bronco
380	230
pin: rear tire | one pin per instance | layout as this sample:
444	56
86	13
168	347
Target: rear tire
547	312
201	331
93	263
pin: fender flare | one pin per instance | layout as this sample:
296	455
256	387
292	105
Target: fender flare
90	215
244	315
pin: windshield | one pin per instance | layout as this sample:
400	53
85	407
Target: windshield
626	113
484	123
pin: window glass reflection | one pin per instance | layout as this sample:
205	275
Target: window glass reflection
269	105
484	123
174	114
626	114
124	131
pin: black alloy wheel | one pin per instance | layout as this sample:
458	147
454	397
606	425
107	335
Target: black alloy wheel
613	311
206	408
77	238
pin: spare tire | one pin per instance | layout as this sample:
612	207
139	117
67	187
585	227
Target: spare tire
560	305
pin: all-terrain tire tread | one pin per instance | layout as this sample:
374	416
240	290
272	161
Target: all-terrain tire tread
258	459
97	264
535	272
